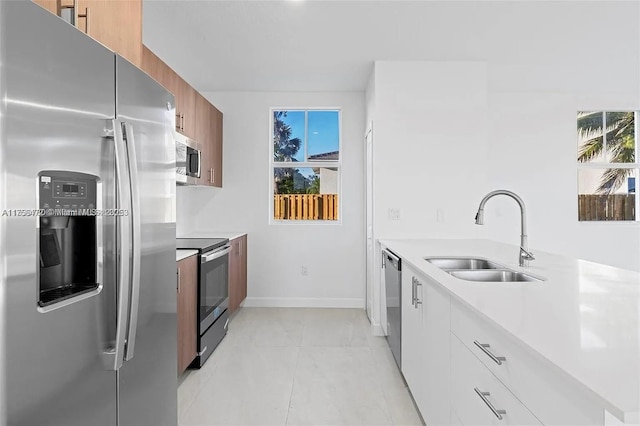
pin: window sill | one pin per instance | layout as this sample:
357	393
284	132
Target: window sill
305	222
629	223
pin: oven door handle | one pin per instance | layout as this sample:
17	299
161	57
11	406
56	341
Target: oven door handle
215	255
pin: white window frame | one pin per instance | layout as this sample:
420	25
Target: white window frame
607	165
305	164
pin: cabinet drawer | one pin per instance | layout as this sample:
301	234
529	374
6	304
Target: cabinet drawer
540	386
478	398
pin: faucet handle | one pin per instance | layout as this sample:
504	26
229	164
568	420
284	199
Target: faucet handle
525	256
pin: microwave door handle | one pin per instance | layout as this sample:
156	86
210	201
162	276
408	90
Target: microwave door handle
216	255
136	240
115	355
199	154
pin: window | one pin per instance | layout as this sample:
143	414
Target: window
608	165
305	164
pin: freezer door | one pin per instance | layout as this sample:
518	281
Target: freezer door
60	97
147	381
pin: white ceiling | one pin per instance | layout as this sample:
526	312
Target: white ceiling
331	45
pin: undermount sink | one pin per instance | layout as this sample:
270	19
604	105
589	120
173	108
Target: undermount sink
495	275
462	263
483	270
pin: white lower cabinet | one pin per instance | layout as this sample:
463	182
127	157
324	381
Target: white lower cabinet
478	398
463	370
538	386
425	351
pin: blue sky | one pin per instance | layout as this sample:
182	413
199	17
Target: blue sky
323	131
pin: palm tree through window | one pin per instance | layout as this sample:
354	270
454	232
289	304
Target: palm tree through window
607	165
305	164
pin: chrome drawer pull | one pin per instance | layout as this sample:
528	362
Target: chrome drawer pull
418	301
483	396
484	347
413	291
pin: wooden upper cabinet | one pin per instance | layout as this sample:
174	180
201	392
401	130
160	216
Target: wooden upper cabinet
50	5
115	23
209	136
161	73
216	147
157	69
185	108
185	95
204	133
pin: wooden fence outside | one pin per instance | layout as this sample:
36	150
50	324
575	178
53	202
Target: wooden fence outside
305	206
607	207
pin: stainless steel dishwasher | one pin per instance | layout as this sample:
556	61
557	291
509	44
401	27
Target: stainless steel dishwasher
393	284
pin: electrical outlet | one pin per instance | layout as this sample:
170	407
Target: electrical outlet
304	270
394	214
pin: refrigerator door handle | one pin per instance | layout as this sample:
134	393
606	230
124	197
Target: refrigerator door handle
123	226
127	130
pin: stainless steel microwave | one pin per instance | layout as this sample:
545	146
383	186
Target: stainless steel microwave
188	160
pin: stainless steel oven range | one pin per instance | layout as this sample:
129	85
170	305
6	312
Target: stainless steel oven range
213	292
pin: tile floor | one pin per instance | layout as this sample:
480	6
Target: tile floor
297	367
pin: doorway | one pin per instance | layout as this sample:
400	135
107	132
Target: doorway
368	139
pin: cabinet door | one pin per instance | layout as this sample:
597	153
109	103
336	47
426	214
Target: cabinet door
185	108
209	136
158	70
215	156
412	340
436	362
115	23
50	5
425	346
234	276
187	311
204	137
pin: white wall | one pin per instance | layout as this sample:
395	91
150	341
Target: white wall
430	145
333	254
540	69
546	177
533	100
447	132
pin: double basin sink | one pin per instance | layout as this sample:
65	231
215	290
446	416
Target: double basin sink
473	269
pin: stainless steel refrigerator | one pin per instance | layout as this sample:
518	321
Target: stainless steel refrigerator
87	231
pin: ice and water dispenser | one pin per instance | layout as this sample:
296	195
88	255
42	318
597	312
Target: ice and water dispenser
68	235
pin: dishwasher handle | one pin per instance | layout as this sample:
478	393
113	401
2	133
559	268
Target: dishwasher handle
391	257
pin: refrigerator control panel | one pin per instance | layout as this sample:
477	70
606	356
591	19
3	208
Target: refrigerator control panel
68	190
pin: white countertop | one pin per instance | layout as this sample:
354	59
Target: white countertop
231	235
183	253
583	319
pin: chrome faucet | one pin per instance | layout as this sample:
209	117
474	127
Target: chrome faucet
525	255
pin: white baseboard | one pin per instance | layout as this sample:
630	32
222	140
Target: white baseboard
376	329
302	302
